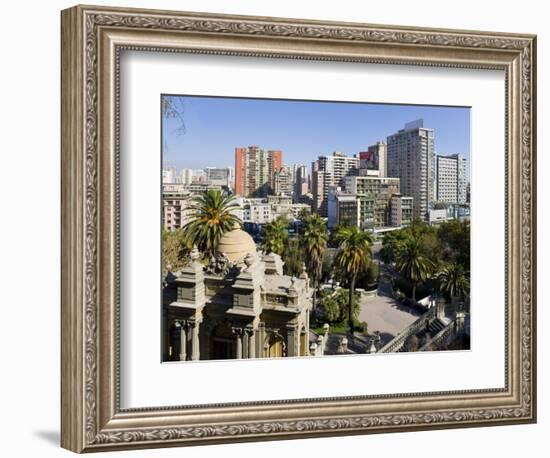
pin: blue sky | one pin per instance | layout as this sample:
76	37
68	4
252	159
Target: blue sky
303	130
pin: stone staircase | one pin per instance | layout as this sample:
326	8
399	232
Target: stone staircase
432	331
437	325
433	328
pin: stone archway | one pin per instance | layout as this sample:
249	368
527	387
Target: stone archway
222	342
173	342
275	346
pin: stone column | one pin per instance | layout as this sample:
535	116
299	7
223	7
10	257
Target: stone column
165	336
195	348
304	344
183	343
440	304
306	331
260	337
239	345
320	349
292	347
372	348
246	346
459	323
251	343
344	344
313	349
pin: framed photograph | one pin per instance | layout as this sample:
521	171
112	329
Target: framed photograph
278	228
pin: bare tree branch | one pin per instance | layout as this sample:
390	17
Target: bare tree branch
174	108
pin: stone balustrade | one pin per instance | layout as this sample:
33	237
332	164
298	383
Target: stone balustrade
318	348
442	338
398	342
447	334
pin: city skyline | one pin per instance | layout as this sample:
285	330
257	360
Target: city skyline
248	272
311	128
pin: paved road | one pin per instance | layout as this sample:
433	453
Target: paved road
385	315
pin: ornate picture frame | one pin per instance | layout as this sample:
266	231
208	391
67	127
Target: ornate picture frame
92	41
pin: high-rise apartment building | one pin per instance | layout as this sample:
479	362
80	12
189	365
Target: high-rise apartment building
218	176
284	183
255	171
374	195
231	178
450	179
370	203
169	175
411	158
186	176
374	161
329	171
401	210
198	176
343	208
301	181
175	209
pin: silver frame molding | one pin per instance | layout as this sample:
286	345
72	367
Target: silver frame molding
92	40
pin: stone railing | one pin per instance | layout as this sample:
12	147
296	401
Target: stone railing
318	348
276	299
442	338
367	292
398	342
447	334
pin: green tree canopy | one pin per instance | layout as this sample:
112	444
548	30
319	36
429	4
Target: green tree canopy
175	250
392	244
304	214
333	305
413	262
275	236
419	251
313	239
454	281
293	258
455	238
353	257
395	242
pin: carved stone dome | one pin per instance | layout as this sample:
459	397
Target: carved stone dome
236	244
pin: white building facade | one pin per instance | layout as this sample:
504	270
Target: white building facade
330	171
186	176
451	179
411	158
218	176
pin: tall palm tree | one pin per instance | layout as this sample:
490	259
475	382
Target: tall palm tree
454	281
293	258
211	216
353	257
275	236
412	262
314	239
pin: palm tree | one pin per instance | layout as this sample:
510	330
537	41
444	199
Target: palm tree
353	257
275	236
454	282
412	262
314	239
293	258
212	215
304	214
